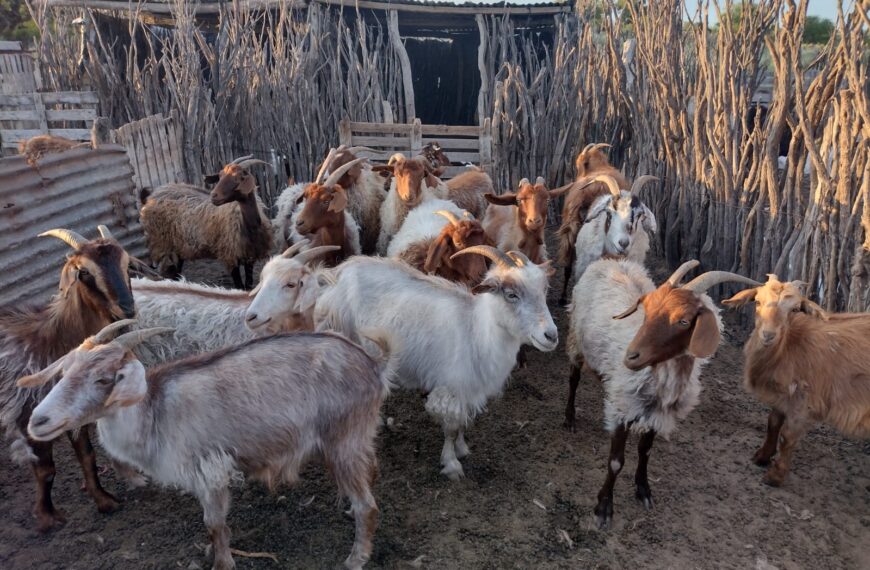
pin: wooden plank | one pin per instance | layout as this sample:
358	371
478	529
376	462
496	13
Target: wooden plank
176	143
398	128
485	149
401	142
10	135
405	63
71	114
482	68
39	106
473	131
26	115
416	136
463	157
60	97
447	144
7	45
163	149
148	146
388	112
345	133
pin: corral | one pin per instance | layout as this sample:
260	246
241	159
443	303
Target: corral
749	148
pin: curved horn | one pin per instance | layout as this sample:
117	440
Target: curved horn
594	146
519	258
252	162
524	181
341	171
242	158
315	252
326	162
499	257
355	149
105	233
110	331
295	248
681	271
397	157
453	218
133	338
702	282
540	180
69	237
587	147
641	180
611	183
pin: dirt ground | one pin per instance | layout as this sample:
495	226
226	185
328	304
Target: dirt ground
526	500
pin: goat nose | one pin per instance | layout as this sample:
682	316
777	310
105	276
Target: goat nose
37	421
552	336
767	336
634	355
624	243
251	317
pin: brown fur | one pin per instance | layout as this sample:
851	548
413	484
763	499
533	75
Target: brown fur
467	191
436	158
409	175
322	220
808	365
36	147
433	256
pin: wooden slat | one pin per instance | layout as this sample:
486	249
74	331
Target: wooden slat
12	135
463	157
473	131
446	143
71	98
401	142
6	45
397	128
25	115
71	114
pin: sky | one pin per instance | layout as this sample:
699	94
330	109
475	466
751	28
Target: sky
822	8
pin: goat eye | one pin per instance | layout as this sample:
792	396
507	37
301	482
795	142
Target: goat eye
83	272
107	381
290	285
684	322
511	296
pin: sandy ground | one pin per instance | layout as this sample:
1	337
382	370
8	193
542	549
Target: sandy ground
526	501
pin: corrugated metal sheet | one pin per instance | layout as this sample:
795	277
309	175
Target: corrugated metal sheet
77	189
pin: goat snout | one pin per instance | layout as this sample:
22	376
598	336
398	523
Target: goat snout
250	317
552	336
38	421
632	356
624	243
768	337
534	223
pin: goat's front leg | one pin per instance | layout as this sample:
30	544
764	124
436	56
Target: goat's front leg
47	517
461	446
569	270
215	506
236	274
81	443
249	276
573	382
768	449
641	481
452	468
442	405
604	508
792	431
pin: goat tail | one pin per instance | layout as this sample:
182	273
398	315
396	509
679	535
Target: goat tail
382	346
144	193
567	235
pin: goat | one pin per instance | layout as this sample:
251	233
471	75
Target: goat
808	365
412	184
260	408
432	233
468	189
182	223
284	299
459	345
590	162
616	225
435	157
94	291
650	362
517	220
36	147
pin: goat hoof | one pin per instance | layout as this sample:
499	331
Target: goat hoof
50	520
761	459
106	503
644	495
453	470
462	451
773	479
568	424
604	514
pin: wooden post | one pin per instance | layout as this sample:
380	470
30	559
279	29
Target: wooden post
407	78
416	137
345	136
481	66
388	112
486	146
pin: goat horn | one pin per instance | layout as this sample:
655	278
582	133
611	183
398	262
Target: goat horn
540	181
454	220
524	181
593	146
315	252
295	248
641	180
242	158
110	331
496	255
326	162
702	282
69	237
133	338
519	258
612	185
105	233
252	162
355	149
677	276
341	171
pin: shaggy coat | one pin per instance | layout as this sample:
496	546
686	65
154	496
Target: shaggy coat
365	194
467	191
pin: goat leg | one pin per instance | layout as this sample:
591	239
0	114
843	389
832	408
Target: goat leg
604	508
641	481
774	424
355	472
236	274
569	272
81	443
249	276
573	382
44	470
790	434
461	445
215	506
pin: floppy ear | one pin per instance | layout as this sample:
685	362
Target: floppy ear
130	385
649	220
436	253
487	286
630	311
559	191
741	298
308	296
705	337
211	178
298	201
506	199
431	179
339	200
813	310
598	208
44	376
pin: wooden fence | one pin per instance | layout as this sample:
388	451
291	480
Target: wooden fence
66	114
155	148
17	72
461	144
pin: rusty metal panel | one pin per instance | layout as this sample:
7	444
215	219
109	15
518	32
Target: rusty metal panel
77	189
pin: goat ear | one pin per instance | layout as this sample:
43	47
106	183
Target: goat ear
559	191
130	385
435	257
211	178
649	220
813	310
598	208
339	200
631	310
44	376
487	286
705	336
431	179
741	298
506	199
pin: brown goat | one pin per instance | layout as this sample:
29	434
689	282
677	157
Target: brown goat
411	185
36	147
808	365
94	291
434	255
323	221
436	158
518	219
366	190
467	190
590	163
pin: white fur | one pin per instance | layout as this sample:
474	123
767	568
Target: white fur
394	210
285	206
607	288
421	224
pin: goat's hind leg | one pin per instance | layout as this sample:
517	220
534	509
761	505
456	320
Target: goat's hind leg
215	506
461	445
236	274
641	480
573	382
355	474
791	433
767	450
84	451
249	276
604	508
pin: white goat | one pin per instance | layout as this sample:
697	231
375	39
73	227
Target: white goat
261	408
650	361
457	346
616	225
423	223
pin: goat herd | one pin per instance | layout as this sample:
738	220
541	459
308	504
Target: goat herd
410	282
